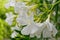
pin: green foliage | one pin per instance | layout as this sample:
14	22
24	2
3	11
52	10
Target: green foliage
4	29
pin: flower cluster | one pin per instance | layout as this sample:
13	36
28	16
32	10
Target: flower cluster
26	17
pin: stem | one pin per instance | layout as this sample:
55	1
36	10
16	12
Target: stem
56	16
54	6
42	36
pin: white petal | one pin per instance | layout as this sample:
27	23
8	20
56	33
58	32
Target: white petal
21	21
49	26
42	26
32	35
11	2
34	28
17	28
14	34
31	16
9	15
38	34
9	20
26	30
37	29
19	6
46	33
54	31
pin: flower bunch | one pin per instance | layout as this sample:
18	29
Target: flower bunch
32	28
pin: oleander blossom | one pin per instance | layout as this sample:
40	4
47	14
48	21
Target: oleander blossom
32	27
35	29
46	28
9	18
25	19
22	11
50	29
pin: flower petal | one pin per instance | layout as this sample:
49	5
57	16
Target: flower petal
34	28
26	30
21	21
32	35
46	33
54	31
14	34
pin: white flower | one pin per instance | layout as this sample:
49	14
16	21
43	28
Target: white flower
50	29
24	18
14	34
35	29
37	33
19	6
32	28
21	21
10	3
29	29
9	18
